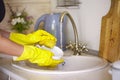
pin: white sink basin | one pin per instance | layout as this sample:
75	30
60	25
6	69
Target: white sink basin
74	68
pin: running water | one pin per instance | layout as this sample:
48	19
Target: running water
61	35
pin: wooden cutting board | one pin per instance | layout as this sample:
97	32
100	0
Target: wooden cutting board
110	33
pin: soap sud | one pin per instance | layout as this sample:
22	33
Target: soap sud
58	53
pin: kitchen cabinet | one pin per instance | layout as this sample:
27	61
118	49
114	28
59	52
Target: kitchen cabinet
7	72
4	76
9	75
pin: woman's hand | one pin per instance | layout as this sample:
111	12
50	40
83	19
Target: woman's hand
35	55
40	36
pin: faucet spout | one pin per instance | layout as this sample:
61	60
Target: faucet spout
76	47
73	24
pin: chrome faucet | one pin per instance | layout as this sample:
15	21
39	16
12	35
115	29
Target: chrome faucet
76	47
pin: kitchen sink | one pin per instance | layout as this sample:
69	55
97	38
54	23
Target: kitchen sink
74	68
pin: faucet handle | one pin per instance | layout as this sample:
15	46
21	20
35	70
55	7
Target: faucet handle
70	45
77	48
83	47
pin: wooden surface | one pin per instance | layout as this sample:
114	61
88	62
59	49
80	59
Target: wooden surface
110	33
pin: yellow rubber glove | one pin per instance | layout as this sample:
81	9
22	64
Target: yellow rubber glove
39	56
40	36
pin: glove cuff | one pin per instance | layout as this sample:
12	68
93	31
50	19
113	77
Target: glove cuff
27	53
17	38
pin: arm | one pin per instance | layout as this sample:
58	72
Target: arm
9	47
4	33
36	55
40	36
